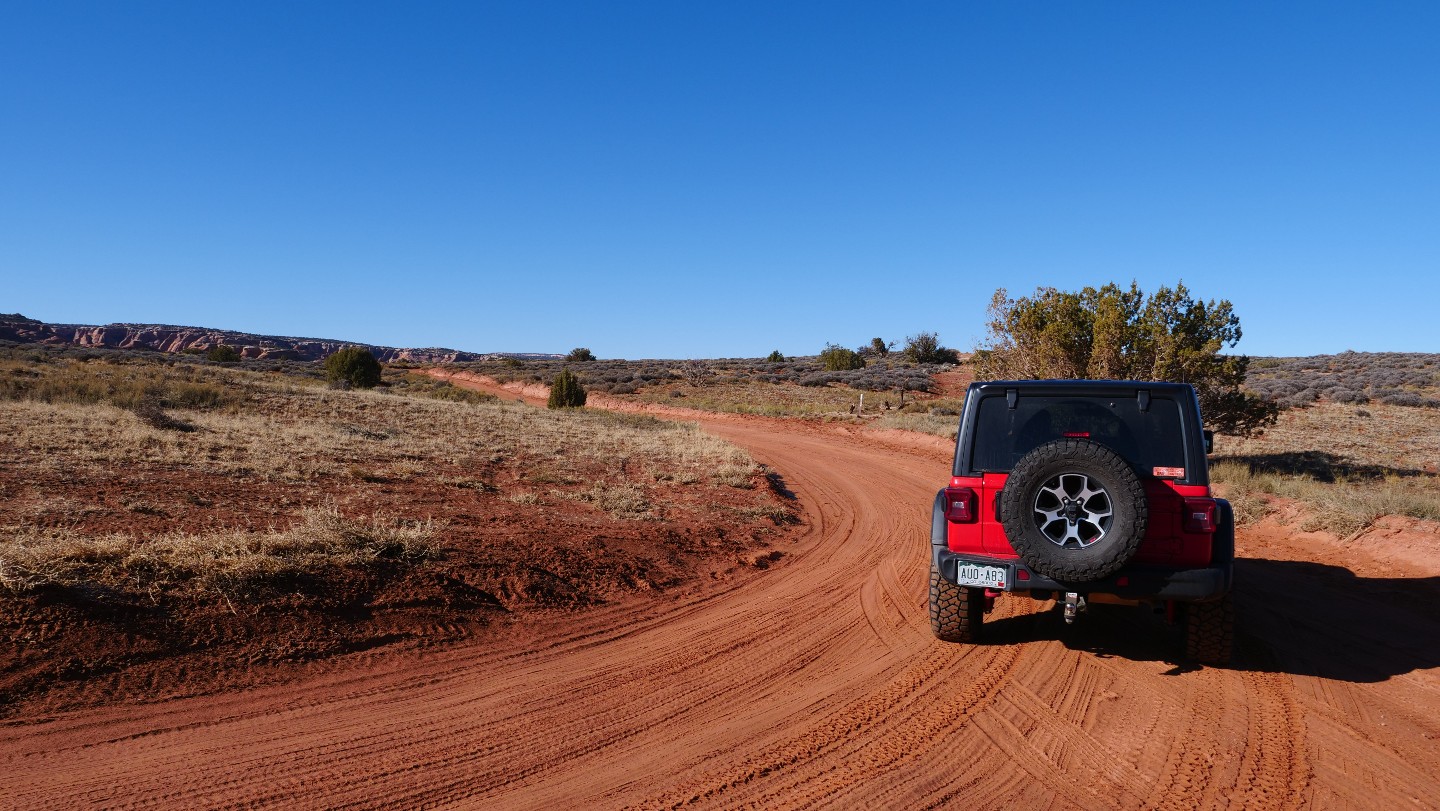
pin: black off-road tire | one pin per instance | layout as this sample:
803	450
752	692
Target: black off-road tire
1210	631
1110	547
957	613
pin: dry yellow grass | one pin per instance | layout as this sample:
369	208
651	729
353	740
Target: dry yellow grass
1350	465
938	425
227	562
300	433
264	429
763	399
1379	436
120	382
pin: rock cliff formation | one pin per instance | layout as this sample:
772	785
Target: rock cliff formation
168	338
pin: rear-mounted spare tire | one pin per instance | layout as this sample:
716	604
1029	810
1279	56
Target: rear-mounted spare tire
1074	510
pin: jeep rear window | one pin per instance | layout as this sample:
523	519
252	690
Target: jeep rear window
1148	439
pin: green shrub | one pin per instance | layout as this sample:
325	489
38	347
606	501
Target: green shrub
1118	334
353	365
775	357
926	348
220	353
839	359
580	354
566	391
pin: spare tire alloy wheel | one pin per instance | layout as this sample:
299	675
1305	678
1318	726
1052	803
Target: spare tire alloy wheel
1074	510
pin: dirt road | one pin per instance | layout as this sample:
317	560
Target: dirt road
818	684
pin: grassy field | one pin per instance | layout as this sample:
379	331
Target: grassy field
797	387
1349	464
140	473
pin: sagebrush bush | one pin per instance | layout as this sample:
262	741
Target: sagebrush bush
1392	378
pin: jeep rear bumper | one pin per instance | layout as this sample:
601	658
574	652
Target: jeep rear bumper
1134	582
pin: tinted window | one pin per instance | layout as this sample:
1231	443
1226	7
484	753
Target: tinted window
1149	439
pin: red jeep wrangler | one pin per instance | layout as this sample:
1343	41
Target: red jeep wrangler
1078	491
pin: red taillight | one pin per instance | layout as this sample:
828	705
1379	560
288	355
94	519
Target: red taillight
1077	434
961	505
1200	515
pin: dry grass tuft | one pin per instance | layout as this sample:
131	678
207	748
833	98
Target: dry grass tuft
625	500
1344	507
940	425
133	385
230	563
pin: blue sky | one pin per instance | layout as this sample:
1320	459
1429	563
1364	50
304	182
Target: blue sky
687	179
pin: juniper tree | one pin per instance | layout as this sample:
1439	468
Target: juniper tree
355	366
1117	334
566	391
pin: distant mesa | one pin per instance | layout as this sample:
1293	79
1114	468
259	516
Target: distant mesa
168	338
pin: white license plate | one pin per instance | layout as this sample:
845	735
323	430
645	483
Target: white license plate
990	577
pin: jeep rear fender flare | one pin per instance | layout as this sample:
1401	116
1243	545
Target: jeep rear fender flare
939	527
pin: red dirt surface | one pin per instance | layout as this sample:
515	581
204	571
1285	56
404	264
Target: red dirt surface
817	683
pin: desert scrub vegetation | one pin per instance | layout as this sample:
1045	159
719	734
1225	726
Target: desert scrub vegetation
232	563
221	353
939	416
835	358
566	391
630	376
298	433
286	476
353	366
1386	378
1348	465
120	382
1342	506
764	386
924	423
922	348
1119	334
404	382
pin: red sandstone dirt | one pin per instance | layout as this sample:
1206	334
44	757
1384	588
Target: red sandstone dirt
817	683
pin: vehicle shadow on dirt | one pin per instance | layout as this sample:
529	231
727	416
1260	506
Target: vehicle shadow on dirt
1318	465
1295	617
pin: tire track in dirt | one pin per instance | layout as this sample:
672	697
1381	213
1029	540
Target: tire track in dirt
1274	771
824	758
798	757
1190	764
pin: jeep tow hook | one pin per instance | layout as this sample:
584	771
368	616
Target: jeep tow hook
1074	604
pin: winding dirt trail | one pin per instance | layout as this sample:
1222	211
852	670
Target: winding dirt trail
818	684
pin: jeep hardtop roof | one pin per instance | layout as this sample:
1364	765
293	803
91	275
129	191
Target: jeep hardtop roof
1152	424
